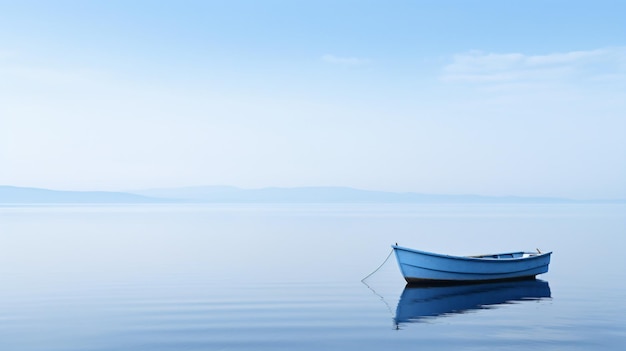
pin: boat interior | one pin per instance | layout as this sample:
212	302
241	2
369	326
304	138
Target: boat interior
506	255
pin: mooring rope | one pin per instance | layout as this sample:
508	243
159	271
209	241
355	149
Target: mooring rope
379	267
374	291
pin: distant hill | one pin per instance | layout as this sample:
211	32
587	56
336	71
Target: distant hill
12	194
228	194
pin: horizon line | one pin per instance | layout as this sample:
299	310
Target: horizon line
508	196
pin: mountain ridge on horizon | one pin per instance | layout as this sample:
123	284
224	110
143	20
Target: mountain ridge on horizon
232	194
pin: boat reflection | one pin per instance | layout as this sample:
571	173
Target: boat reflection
418	303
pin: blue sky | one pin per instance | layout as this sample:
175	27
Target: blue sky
483	97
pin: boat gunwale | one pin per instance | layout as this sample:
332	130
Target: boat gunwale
474	259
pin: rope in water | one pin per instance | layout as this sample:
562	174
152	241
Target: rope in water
379	295
379	267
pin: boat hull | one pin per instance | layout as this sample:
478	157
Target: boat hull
421	267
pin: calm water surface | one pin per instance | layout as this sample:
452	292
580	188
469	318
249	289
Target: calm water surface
282	277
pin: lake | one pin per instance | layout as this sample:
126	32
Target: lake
284	277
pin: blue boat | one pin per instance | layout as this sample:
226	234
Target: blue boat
421	267
419	303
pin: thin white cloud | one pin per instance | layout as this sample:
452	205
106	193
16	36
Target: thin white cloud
352	61
573	57
45	75
481	67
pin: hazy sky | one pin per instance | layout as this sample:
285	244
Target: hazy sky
484	97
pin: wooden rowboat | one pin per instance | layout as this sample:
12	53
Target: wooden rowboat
421	267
